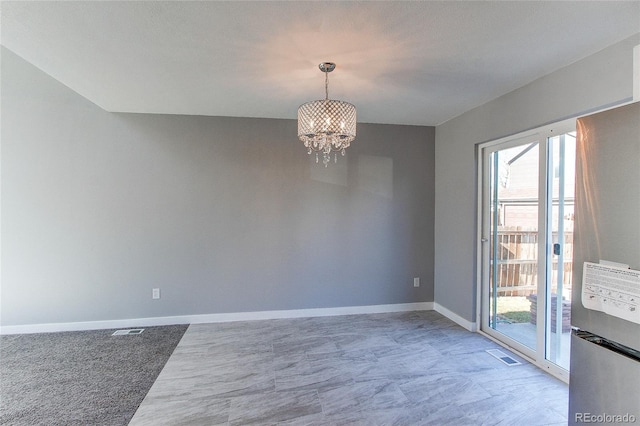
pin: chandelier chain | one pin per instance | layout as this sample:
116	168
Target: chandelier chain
326	85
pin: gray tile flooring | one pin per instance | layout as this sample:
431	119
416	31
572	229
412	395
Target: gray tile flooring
415	368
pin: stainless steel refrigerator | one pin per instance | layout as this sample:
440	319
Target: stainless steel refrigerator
605	352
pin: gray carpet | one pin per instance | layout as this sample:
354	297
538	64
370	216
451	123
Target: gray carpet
82	377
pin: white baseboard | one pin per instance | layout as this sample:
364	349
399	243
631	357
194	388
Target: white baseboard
211	318
469	325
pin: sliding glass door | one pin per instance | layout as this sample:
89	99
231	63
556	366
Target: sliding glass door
513	239
525	243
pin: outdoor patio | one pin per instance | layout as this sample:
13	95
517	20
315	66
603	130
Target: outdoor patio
525	333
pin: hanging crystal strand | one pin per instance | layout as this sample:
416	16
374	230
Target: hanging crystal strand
335	158
342	152
316	157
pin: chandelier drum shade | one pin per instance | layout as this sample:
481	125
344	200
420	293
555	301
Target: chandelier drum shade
326	126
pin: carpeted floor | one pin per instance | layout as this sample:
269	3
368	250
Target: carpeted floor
82	377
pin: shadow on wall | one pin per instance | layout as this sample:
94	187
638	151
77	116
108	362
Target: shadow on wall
372	174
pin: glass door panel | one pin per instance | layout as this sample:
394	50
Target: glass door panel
513	251
560	202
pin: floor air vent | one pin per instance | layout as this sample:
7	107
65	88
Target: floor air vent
128	332
497	353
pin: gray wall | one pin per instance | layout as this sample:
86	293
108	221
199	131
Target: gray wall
600	80
222	214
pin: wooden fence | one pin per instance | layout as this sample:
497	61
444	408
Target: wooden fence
518	266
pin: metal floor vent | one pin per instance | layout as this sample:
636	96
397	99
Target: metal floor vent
127	332
497	353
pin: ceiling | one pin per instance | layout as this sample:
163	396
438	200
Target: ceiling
419	63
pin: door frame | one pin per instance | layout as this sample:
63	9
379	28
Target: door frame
541	135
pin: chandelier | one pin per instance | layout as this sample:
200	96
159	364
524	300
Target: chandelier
327	126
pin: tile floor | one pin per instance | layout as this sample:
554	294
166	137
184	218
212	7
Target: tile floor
415	368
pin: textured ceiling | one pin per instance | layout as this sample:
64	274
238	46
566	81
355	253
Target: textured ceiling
417	63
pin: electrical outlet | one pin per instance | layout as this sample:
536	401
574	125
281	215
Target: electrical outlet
416	282
155	293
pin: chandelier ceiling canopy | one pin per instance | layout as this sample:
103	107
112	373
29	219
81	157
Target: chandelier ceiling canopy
326	126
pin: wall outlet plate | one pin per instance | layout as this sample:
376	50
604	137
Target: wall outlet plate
416	282
155	293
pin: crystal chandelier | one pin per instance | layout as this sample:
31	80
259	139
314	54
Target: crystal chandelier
327	126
